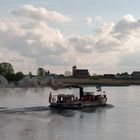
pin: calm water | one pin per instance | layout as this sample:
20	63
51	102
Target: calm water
24	115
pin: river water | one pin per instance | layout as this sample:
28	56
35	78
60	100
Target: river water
24	115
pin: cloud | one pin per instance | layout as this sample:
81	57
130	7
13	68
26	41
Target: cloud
127	30
29	40
81	44
20	62
126	26
40	36
39	43
108	44
98	19
39	13
88	20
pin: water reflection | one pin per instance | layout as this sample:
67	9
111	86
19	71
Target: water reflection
89	109
63	112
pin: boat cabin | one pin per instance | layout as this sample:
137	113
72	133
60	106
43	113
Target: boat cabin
70	98
62	98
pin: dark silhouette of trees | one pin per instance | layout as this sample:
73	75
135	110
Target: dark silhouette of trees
6	69
41	72
19	76
14	77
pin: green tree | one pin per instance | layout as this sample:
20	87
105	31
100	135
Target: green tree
10	77
19	76
41	72
6	69
125	74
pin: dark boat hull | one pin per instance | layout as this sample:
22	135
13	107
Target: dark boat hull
77	105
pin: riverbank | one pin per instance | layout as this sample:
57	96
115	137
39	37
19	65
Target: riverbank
105	82
63	82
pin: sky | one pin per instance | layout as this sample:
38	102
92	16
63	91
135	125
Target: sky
99	35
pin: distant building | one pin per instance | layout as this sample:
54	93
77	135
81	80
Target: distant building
83	73
135	74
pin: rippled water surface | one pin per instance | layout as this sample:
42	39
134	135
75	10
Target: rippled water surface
24	115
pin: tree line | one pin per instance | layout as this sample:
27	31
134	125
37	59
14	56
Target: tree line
7	70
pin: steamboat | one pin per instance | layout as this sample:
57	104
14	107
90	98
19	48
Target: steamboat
85	99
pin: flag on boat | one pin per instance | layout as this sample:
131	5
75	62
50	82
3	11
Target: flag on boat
98	87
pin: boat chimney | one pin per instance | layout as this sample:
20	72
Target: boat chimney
81	92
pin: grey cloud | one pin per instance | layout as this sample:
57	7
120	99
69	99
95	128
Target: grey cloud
20	45
57	60
80	45
107	45
125	26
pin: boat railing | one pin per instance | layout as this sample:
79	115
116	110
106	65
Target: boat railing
91	93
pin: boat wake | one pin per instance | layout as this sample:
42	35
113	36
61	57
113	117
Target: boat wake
7	110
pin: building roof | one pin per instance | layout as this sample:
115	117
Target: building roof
81	70
135	73
74	66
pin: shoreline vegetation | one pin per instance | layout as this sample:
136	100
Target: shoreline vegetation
43	78
67	82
